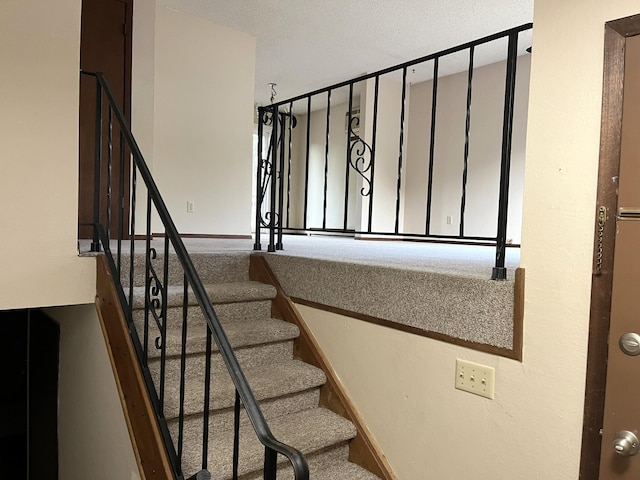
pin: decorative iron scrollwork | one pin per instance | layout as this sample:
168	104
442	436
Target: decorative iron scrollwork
155	293
360	159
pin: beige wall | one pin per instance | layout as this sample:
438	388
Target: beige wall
93	439
485	146
39	54
204	76
404	383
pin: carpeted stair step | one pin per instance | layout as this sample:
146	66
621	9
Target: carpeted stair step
242	334
267	381
219	293
216	268
316	432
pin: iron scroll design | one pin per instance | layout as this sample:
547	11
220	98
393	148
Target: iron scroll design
155	293
360	157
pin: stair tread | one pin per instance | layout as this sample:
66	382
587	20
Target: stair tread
343	470
266	381
229	292
241	334
309	431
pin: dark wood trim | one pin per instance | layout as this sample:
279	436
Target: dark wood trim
601	283
518	314
363	449
207	235
145	435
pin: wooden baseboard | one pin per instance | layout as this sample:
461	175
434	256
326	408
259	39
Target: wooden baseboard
363	449
148	447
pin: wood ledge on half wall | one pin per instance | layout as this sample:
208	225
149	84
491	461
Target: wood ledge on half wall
330	286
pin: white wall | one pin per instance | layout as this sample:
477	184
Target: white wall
404	384
485	145
39	85
93	439
387	150
204	76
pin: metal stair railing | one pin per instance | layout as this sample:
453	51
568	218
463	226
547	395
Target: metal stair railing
120	194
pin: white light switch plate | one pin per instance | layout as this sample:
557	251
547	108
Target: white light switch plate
475	378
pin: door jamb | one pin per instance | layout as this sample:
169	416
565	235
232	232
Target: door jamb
616	33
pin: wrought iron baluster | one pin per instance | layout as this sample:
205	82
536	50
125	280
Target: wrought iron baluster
306	167
463	199
274	161
499	271
120	205
270	463
183	368
259	186
134	182
236	435
348	162
163	324
373	149
432	144
401	148
326	163
95	244
290	129
207	398
109	170
280	176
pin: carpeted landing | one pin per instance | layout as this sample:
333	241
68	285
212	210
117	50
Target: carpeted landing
287	389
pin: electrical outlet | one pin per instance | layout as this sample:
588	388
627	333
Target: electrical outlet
190	207
475	378
449	219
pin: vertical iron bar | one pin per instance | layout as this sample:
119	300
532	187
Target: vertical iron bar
290	128
163	316
95	244
236	436
274	167
121	204
147	279
207	398
463	199
306	169
109	171
134	182
347	164
257	245
374	134
270	463
499	271
281	145
432	144
401	148
183	368
326	163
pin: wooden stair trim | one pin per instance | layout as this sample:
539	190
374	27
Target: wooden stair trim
363	449
148	446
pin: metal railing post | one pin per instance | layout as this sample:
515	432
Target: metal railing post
95	244
258	217
499	271
273	214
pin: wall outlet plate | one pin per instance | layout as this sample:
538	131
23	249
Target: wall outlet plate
475	378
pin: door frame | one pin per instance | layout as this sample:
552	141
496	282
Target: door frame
616	33
127	59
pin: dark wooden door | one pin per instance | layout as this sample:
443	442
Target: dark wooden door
105	47
622	394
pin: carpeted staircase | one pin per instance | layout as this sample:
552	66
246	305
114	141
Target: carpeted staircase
287	389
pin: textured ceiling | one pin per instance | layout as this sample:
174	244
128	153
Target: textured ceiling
303	45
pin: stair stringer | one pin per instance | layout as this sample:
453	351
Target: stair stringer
363	449
146	439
